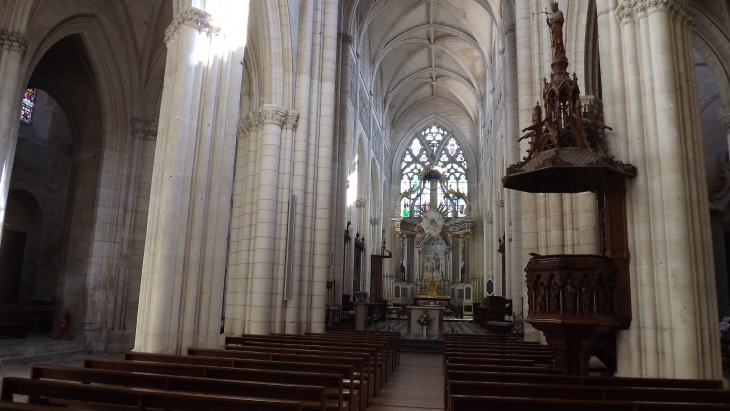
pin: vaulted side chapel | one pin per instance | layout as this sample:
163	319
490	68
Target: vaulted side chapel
177	171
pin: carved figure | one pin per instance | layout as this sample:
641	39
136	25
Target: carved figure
432	265
541	299
569	299
555	298
601	294
555	21
536	122
586	294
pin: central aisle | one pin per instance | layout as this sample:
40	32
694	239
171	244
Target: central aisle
417	384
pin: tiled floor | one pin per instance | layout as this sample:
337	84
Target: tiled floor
417	384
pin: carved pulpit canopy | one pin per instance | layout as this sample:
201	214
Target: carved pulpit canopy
567	152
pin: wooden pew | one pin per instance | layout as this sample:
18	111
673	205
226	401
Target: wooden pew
300	340
501	369
373	389
537	359
17	406
382	344
393	336
385	342
491	350
332	382
577	380
326	358
599	394
346	371
493	344
312	397
68	391
481	403
490	361
373	362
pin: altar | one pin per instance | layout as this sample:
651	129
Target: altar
432	247
437	300
434	329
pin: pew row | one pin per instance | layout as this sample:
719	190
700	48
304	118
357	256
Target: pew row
311	397
60	392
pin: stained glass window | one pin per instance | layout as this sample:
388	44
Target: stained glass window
449	159
26	111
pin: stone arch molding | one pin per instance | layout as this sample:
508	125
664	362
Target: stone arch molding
713	45
105	66
110	61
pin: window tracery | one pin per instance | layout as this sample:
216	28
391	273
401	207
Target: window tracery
434	147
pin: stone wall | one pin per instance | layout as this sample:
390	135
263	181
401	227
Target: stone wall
42	168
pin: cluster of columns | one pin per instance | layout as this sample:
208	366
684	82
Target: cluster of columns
281	228
183	270
650	89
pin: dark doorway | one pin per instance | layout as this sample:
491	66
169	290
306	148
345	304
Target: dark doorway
12	250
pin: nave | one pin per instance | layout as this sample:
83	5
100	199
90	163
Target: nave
348	371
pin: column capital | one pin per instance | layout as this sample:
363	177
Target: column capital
511	29
272	114
346	38
292	120
244	127
142	130
625	12
10	41
193	17
374	221
628	10
360	203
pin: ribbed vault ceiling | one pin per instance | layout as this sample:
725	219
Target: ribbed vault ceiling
428	51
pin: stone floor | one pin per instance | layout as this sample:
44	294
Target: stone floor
417	384
17	355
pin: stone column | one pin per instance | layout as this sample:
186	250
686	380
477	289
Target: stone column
410	257
273	118
528	93
12	48
648	73
398	257
513	238
181	291
455	259
467	257
120	338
